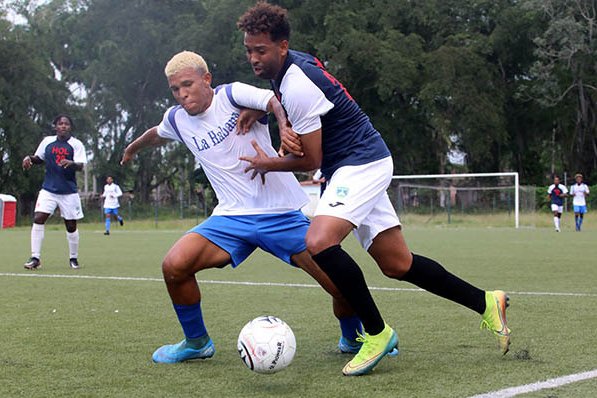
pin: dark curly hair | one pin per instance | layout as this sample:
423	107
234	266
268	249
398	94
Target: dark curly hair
57	118
266	18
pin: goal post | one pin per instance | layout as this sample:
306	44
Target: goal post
450	185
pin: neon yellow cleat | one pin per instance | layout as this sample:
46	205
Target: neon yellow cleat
494	317
374	348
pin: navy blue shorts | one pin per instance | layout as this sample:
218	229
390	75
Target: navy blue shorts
281	234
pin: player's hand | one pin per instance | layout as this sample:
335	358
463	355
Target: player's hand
65	163
247	118
257	163
290	141
126	157
27	162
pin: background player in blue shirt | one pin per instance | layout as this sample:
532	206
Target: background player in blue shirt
332	131
62	155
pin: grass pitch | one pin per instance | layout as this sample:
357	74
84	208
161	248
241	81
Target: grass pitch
91	332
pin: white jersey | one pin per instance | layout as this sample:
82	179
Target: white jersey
579	192
111	194
212	138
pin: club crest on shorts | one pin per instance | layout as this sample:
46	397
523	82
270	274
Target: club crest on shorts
341	192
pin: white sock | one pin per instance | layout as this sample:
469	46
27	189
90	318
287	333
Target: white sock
556	222
73	243
37	237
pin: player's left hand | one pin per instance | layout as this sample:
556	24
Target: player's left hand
246	119
257	162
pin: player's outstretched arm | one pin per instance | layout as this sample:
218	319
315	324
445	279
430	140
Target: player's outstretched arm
29	161
261	163
149	138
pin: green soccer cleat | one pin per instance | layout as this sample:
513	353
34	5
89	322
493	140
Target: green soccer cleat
494	318
373	350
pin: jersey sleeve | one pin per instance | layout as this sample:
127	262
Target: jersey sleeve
79	155
247	96
551	187
118	191
564	189
40	152
165	128
304	102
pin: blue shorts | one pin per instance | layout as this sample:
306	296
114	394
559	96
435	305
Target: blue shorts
281	234
111	211
580	209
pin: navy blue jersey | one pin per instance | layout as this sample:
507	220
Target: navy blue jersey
314	99
59	180
555	191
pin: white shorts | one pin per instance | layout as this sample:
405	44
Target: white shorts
69	204
359	194
557	208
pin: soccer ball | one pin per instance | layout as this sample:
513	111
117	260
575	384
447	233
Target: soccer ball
266	344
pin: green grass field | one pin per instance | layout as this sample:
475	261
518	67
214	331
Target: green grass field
91	332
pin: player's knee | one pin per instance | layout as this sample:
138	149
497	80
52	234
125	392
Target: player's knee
317	244
173	269
397	267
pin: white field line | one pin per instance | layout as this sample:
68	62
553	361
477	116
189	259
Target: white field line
542	385
33	274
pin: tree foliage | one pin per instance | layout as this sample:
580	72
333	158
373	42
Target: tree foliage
509	84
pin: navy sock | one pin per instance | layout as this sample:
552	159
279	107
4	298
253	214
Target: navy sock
191	320
349	279
350	326
431	276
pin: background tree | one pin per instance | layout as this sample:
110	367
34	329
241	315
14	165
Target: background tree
564	78
30	97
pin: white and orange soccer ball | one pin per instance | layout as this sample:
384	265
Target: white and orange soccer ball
266	344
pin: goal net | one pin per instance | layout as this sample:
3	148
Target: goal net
482	198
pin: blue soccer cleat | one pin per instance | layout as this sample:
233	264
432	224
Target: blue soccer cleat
348	346
174	353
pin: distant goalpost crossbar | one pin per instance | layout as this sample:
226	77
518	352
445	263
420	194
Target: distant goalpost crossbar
471	175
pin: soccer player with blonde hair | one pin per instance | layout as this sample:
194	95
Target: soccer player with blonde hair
250	213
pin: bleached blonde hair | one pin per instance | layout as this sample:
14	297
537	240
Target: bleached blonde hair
183	60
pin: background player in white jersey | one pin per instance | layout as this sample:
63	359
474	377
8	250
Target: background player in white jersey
556	194
63	155
250	213
338	136
579	192
111	194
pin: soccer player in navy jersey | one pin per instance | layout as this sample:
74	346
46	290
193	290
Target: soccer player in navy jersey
330	131
556	193
63	155
249	214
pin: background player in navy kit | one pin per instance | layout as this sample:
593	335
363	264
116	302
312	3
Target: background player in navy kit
63	155
556	194
357	165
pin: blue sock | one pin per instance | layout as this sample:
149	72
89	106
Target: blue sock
191	320
108	219
580	221
350	326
